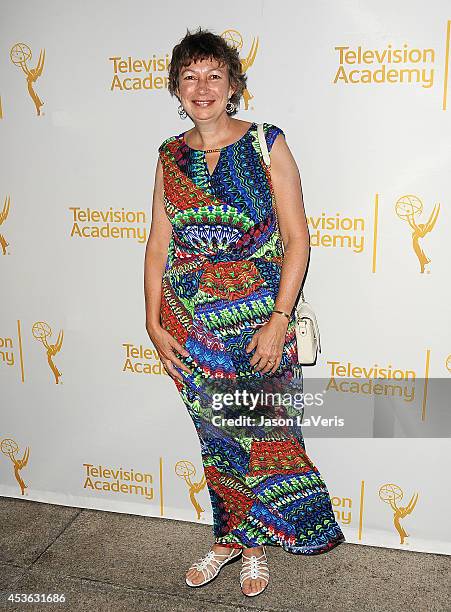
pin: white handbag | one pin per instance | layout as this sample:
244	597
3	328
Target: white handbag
307	330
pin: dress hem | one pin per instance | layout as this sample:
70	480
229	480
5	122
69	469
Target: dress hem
295	550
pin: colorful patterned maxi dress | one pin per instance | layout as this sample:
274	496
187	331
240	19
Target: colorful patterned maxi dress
219	286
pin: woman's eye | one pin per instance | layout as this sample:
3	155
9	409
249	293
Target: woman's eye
216	75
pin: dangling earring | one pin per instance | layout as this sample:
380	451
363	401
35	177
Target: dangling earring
230	107
182	112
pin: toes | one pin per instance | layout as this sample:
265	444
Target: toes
194	576
253	585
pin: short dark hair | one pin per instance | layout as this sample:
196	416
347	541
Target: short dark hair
203	44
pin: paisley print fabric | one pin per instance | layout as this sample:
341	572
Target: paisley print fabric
219	287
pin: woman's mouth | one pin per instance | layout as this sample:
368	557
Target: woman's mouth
203	103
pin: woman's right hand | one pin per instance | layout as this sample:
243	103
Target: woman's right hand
165	345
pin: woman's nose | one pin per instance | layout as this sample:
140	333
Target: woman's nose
202	86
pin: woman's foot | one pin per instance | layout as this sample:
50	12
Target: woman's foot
254	575
207	568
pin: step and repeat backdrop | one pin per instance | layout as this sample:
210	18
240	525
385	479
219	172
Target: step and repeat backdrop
89	417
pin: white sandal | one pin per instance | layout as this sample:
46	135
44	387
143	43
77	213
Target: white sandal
254	567
210	565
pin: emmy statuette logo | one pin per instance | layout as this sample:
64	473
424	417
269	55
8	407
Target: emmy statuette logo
41	331
185	469
407	208
3	216
20	54
10	448
391	494
235	40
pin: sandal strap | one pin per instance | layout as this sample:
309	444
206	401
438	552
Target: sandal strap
210	564
254	567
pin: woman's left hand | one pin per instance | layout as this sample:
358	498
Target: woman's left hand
268	342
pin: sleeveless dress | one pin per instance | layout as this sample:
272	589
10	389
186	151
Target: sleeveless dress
219	287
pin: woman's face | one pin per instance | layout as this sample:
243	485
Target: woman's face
204	89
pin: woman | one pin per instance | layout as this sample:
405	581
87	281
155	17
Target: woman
219	310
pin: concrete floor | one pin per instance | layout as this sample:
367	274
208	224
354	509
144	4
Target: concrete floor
106	561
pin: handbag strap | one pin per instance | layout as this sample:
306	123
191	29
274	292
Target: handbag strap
263	144
267	160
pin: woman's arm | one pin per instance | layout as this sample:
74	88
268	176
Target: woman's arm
269	340
156	253
292	222
154	265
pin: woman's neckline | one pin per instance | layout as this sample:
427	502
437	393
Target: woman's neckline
220	148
